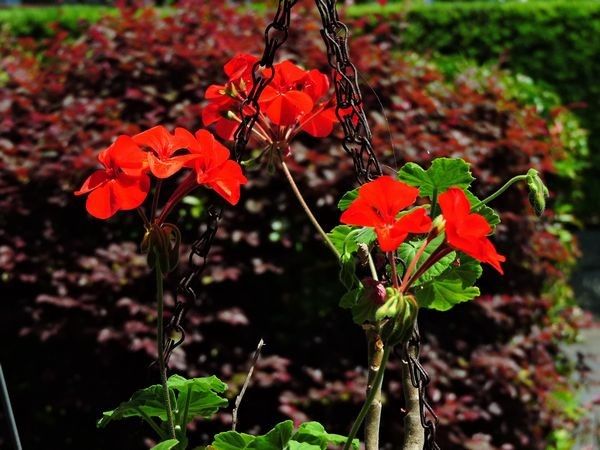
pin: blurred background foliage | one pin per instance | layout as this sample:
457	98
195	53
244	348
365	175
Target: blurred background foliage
77	312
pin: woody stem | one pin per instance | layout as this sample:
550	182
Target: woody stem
306	209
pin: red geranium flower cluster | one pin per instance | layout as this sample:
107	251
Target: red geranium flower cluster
380	204
123	183
295	100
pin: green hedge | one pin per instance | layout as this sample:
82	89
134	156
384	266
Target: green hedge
38	21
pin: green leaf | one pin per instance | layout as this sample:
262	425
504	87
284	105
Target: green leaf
348	271
293	445
441	175
364	310
450	288
314	434
166	445
350	298
232	440
445	291
346	239
468	269
408	250
277	438
347	199
203	400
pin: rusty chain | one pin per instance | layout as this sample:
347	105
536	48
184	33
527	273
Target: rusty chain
357	143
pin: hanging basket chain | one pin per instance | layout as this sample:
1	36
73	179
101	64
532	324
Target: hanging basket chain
358	144
276	33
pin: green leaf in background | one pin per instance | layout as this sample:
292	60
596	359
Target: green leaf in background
293	445
314	433
351	298
166	445
199	395
347	199
441	175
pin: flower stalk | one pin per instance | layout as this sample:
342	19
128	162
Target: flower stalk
160	343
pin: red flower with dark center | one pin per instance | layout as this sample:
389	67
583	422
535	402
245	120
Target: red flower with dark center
466	231
378	204
163	160
122	184
211	164
295	100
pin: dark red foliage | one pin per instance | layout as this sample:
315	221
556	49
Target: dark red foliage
77	307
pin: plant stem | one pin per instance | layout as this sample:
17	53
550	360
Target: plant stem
160	341
307	210
370	396
144	218
152	423
414	434
155	199
373	418
392	259
500	191
413	264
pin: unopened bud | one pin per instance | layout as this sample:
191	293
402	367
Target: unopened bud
374	291
538	192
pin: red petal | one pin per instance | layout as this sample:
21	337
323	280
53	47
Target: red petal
321	124
288	107
415	222
240	66
95	180
215	92
361	213
226	129
101	202
130	192
126	155
473	226
316	84
227	181
158	139
287	73
388	197
165	168
454	204
389	239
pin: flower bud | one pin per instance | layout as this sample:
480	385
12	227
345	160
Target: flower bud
538	192
439	225
374	291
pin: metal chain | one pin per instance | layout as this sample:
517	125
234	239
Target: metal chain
349	109
276	33
358	144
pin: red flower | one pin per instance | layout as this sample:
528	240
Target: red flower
466	231
378	205
295	100
162	158
122	184
212	164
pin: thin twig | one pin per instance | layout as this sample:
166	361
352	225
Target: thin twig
8	413
240	396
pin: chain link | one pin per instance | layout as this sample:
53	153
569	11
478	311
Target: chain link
276	33
349	110
358	144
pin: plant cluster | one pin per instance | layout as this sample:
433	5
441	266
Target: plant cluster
141	70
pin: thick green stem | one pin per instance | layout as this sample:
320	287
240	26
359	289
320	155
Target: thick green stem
307	210
500	191
160	342
373	418
370	396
